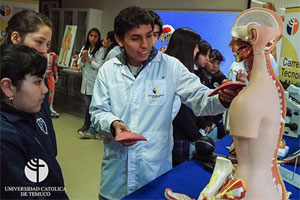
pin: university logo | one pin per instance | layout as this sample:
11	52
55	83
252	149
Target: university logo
292	26
36	170
155	90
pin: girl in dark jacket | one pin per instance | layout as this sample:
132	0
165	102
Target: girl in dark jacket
29	169
184	45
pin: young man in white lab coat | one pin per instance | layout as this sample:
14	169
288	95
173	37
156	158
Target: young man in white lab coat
135	92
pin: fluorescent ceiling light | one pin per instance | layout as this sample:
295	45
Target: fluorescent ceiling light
258	2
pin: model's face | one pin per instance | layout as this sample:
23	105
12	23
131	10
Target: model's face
93	38
241	49
212	66
137	43
39	40
29	97
156	31
202	59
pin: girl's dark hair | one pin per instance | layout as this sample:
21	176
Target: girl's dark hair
111	37
19	60
204	47
216	55
24	22
98	44
182	45
130	18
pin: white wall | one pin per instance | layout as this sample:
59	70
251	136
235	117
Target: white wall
111	8
280	5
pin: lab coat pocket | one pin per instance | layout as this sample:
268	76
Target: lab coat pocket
155	92
155	149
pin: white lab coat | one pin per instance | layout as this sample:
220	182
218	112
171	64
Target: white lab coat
89	71
236	66
113	53
144	104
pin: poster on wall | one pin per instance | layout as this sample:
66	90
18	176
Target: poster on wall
67	46
10	7
289	67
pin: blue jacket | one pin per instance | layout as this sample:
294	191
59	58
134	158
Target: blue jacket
25	137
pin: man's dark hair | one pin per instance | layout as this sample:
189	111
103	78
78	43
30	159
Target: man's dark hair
130	18
19	60
157	20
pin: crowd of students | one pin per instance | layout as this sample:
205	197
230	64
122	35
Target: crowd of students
128	85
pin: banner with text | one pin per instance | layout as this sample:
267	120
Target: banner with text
289	68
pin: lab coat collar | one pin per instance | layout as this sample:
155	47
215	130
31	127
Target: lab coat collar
123	59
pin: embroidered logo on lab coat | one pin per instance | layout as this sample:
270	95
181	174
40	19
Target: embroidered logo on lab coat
42	125
155	92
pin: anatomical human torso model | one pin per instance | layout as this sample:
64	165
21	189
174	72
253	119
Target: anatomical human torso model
256	113
256	117
52	78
